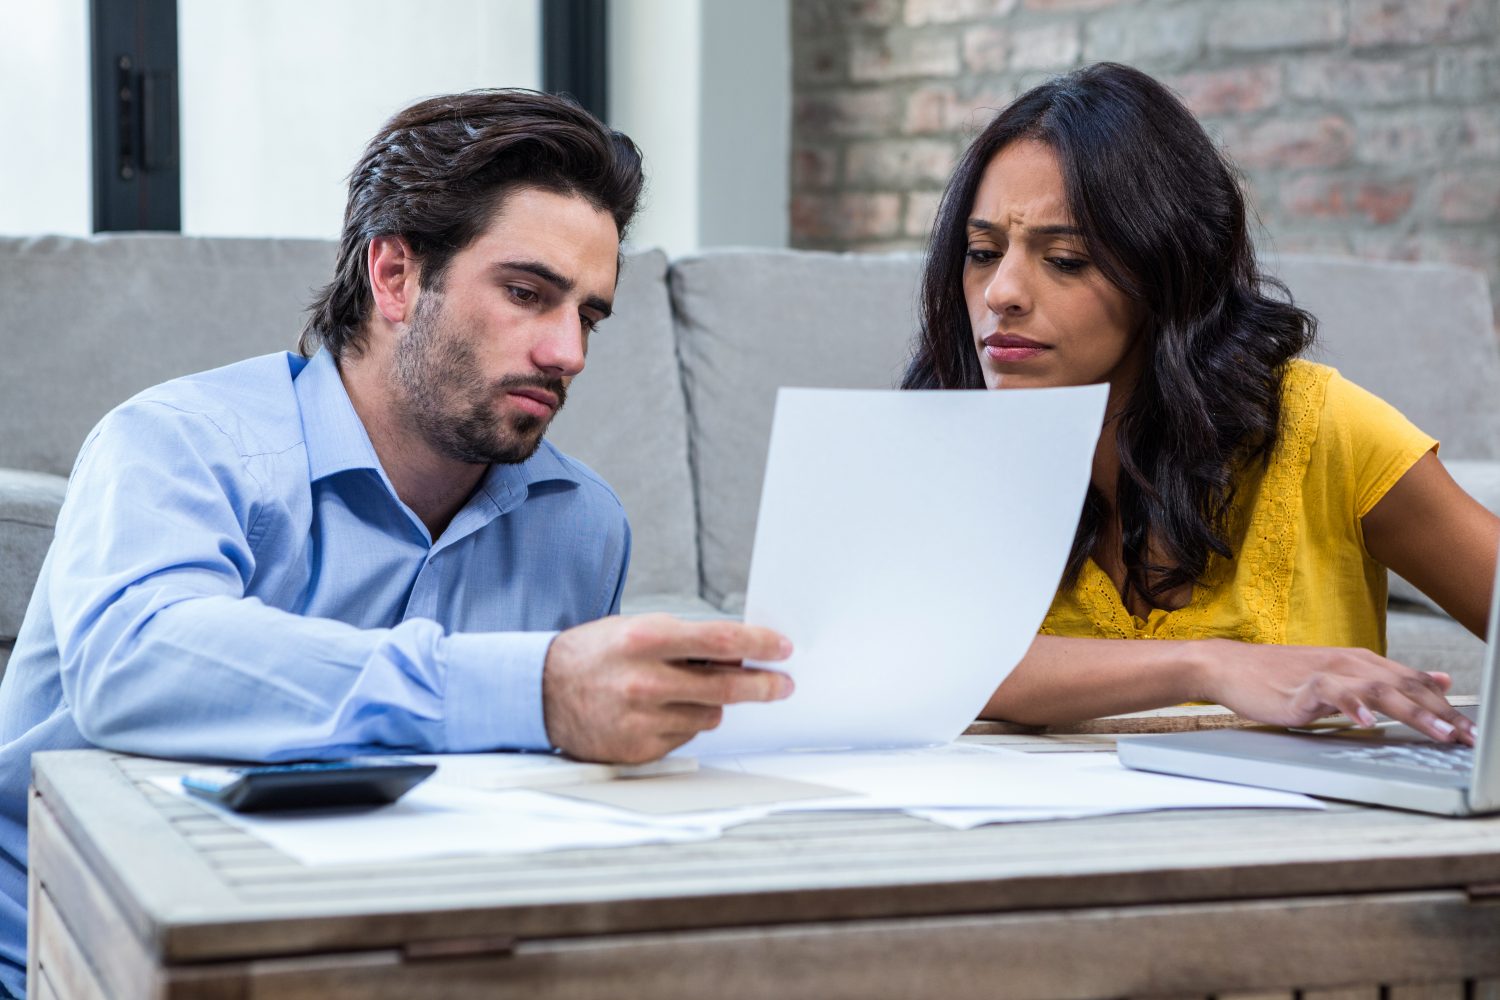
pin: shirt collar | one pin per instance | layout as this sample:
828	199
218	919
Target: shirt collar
335	437
337	441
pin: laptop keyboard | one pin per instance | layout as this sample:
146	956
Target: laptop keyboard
1434	758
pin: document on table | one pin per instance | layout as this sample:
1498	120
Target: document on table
909	544
991	784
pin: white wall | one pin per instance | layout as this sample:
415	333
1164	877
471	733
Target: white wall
279	97
704	88
46	179
654	72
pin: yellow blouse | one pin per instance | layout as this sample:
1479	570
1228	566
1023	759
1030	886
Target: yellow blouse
1300	574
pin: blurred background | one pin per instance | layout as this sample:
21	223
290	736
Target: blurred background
1362	127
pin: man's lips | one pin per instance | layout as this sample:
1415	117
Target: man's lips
1006	347
537	402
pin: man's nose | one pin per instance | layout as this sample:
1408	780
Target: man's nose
561	347
1009	289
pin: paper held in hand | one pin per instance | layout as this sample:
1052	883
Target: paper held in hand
909	544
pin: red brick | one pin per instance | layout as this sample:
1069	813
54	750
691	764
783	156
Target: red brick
1316	142
1469	75
838	15
1266	25
898	163
1051	46
814	167
986	49
1229	91
898	56
921	209
819	61
1405	138
846	216
1320	197
920	12
1344	79
1375	23
940	109
1469	196
1479	134
1141	36
1307	241
846	113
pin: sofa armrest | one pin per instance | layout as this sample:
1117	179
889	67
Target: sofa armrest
29	502
1480	478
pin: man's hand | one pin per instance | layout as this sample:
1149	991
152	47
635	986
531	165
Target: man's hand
629	690
1294	685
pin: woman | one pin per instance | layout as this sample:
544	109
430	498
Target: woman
1244	504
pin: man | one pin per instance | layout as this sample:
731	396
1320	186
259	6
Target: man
370	547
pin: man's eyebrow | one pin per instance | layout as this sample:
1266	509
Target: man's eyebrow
561	282
1058	229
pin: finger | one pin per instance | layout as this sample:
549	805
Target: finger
724	641
717	684
1425	711
1444	680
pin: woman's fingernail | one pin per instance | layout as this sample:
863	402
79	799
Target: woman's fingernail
1443	726
1365	716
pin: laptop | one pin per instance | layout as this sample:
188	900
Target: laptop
1388	765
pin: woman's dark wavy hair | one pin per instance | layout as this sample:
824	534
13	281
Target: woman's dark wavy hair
436	172
1164	219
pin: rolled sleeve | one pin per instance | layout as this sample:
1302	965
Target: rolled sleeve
493	691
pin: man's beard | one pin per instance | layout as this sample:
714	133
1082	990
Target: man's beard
442	395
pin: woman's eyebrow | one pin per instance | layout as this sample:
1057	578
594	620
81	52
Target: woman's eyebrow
1058	229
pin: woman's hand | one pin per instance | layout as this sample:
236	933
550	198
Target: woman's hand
1295	685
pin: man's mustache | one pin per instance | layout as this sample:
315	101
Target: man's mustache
556	386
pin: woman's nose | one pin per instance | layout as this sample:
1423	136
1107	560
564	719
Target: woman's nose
1008	292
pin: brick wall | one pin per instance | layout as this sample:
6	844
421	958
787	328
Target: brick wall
1365	127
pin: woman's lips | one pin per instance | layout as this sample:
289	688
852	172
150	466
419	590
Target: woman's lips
1007	348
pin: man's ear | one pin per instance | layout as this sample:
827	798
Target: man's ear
393	274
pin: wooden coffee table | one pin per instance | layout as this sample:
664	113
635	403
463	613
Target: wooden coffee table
137	893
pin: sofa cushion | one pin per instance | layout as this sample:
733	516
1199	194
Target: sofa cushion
627	420
88	323
749	322
29	502
1420	336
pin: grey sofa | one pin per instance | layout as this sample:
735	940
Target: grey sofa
675	407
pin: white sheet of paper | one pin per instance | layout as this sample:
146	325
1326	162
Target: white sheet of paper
909	544
494	771
437	821
995	781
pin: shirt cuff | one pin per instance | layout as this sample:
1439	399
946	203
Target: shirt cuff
493	691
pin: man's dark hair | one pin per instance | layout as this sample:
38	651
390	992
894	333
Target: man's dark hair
435	174
1164	219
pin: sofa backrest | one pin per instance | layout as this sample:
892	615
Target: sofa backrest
627	420
1420	336
87	323
751	321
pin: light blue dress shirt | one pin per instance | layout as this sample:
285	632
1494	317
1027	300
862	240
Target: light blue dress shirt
233	577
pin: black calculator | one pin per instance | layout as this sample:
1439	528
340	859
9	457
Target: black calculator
357	781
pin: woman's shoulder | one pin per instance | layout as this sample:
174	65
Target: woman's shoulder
1346	432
